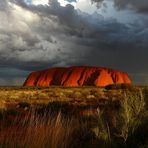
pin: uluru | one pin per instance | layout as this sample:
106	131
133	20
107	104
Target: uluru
77	76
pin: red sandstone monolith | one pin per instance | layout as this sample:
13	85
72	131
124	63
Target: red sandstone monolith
77	76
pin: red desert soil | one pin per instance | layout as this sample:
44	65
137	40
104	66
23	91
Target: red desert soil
77	76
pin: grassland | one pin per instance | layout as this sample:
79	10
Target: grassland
73	117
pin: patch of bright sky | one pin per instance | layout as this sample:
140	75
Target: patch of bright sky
64	3
39	2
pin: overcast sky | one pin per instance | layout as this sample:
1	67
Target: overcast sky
39	34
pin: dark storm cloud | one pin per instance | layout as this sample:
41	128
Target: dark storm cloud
36	37
138	5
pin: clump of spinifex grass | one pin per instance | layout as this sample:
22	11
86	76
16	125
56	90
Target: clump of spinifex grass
132	115
133	110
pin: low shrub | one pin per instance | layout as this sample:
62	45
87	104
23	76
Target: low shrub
118	86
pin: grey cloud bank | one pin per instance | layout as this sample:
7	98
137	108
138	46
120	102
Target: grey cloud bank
138	5
37	37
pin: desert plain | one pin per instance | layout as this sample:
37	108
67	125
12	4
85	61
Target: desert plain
69	117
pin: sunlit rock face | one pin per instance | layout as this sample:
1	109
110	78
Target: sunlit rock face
77	76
